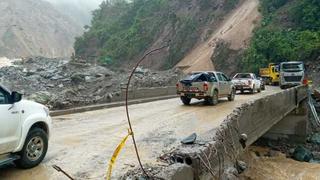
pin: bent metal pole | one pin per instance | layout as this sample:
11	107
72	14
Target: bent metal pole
127	109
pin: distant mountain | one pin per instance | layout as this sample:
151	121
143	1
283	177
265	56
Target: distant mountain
35	27
79	10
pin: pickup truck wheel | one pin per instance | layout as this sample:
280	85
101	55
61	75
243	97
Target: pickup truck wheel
214	100
185	100
259	90
232	95
253	90
34	149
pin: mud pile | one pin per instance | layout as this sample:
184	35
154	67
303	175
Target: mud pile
60	83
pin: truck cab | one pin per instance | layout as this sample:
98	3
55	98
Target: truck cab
24	130
291	74
270	75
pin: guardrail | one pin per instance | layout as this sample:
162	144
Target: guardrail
136	96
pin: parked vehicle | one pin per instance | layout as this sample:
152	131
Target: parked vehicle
209	85
247	81
270	74
291	74
24	130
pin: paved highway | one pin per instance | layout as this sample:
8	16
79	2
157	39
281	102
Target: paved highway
83	143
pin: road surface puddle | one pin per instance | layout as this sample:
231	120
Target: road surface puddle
265	164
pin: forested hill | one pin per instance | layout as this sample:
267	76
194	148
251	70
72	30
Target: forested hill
290	31
122	31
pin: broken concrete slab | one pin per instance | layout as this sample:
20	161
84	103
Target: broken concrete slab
177	172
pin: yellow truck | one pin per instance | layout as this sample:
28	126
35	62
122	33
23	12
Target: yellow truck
271	74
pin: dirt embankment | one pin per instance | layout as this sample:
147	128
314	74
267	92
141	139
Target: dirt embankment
236	31
62	84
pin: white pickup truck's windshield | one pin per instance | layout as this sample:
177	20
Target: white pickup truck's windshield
242	76
292	67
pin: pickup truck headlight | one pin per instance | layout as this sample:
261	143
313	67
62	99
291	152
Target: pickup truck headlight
47	111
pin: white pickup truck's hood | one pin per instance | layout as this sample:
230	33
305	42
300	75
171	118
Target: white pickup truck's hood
28	104
31	107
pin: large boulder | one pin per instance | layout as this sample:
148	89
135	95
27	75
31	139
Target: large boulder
302	154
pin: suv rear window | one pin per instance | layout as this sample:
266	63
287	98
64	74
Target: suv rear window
243	76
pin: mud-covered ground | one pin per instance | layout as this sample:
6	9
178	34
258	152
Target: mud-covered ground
82	144
266	164
59	83
283	160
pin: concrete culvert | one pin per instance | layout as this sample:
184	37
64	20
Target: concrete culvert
179	160
188	161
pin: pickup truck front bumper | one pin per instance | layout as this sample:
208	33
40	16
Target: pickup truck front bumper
242	87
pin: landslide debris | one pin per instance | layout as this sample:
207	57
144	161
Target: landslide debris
60	83
120	32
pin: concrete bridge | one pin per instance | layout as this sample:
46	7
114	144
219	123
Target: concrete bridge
84	138
280	115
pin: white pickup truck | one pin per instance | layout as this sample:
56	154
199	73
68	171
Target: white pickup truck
24	130
247	81
207	85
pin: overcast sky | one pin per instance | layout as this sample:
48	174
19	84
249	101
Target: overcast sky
91	4
80	10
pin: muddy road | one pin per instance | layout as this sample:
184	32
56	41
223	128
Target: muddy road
83	143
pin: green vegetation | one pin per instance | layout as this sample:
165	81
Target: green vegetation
290	31
123	30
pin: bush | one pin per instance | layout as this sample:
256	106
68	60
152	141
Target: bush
277	44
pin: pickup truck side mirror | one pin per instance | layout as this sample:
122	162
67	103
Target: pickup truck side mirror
16	97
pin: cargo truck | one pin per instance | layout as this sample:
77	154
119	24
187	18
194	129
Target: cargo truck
270	75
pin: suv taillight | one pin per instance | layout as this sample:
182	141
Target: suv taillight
305	81
205	87
177	85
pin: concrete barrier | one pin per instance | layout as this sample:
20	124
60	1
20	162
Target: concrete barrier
239	130
136	96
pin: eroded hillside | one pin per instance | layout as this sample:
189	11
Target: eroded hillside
122	31
230	37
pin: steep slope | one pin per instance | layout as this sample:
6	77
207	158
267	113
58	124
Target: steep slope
34	27
236	31
290	31
122	31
